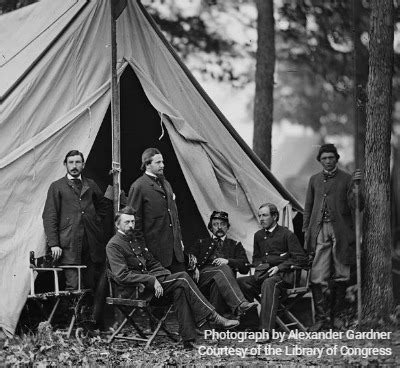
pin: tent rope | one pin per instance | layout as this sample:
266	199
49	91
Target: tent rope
161	125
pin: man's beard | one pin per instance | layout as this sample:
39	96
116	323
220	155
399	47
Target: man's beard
219	233
75	174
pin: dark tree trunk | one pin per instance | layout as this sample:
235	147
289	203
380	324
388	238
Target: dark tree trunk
377	283
263	104
360	82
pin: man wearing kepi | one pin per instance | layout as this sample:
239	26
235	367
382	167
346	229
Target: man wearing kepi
276	250
72	218
156	213
329	234
219	258
131	263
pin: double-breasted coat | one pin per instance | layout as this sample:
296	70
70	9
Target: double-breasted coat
157	218
339	197
232	250
69	216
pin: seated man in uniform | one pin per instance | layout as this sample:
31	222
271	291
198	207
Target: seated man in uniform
218	259
276	249
132	263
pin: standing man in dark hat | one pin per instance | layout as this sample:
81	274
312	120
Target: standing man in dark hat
218	259
157	219
72	215
329	234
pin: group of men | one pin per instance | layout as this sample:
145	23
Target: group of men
147	247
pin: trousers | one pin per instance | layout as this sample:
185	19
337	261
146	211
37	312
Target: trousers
192	308
326	264
270	290
219	284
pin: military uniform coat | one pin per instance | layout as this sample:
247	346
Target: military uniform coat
232	250
280	248
157	218
337	193
69	216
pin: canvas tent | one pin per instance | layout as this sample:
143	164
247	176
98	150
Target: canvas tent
55	96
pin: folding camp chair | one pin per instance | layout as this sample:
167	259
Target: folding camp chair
78	298
130	307
299	288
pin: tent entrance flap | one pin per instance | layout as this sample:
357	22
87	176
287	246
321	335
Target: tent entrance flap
140	129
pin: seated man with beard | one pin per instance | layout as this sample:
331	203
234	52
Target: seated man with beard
132	263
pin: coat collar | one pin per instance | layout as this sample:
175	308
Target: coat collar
153	184
85	184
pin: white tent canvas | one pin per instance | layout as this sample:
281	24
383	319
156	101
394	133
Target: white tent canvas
55	93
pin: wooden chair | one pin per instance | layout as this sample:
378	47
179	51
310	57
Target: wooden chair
77	297
291	297
130	307
299	288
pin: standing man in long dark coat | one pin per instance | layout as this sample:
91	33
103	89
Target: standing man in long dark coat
329	234
156	213
72	223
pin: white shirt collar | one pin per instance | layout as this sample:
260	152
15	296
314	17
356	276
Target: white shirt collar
271	229
70	177
150	174
216	237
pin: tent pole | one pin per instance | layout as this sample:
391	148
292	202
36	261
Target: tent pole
115	113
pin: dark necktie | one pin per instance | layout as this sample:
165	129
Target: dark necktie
78	184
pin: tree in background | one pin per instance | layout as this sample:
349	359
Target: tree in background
377	276
264	78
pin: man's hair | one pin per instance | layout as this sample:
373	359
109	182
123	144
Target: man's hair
328	148
273	210
124	211
73	153
147	157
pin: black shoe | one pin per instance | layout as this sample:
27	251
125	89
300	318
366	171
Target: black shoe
245	306
222	322
190	345
318	326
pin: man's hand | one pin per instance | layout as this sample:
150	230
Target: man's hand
273	270
220	261
56	252
357	175
158	290
196	274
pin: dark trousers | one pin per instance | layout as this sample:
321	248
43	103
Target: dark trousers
221	287
270	289
191	307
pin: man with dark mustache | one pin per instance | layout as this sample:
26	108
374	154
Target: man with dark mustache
219	258
72	223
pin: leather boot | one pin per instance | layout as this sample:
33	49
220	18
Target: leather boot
338	297
321	316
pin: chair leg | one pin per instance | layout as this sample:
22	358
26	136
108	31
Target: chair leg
53	310
121	326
